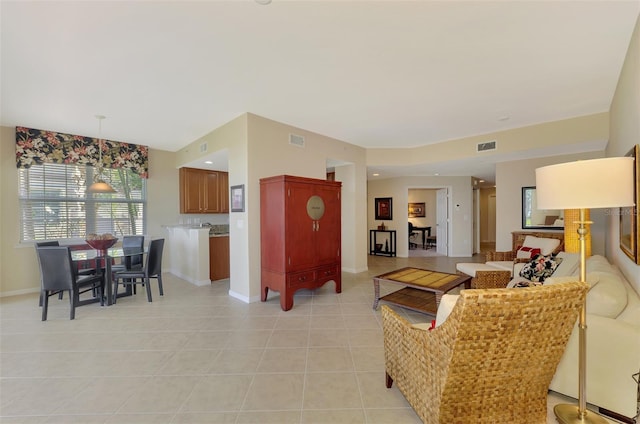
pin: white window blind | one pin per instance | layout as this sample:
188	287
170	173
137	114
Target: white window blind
54	204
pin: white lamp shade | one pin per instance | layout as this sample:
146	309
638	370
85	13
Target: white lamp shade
586	184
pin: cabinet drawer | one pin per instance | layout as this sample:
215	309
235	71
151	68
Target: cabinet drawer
327	272
300	278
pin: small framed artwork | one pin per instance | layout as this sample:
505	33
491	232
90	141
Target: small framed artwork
384	208
237	198
416	210
629	218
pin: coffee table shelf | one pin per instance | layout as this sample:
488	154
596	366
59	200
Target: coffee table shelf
414	299
422	289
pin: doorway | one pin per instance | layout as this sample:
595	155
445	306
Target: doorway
428	212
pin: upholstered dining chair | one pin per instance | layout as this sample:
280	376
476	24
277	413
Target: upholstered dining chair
59	274
491	361
151	269
80	271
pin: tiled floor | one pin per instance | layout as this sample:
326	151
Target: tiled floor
198	356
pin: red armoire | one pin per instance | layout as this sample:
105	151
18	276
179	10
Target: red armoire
299	235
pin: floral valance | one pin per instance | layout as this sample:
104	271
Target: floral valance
35	147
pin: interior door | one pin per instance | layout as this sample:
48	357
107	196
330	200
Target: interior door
442	220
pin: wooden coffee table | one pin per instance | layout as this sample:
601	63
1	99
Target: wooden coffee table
423	288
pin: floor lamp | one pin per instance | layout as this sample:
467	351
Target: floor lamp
588	184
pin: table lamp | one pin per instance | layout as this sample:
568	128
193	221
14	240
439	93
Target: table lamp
587	184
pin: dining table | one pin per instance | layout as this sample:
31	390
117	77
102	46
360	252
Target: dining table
103	259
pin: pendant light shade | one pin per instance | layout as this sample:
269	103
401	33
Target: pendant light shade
99	185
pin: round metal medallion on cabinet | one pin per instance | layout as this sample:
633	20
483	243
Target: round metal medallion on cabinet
315	207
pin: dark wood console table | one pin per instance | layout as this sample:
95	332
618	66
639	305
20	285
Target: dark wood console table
388	245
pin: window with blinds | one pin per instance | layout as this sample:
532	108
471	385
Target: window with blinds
54	204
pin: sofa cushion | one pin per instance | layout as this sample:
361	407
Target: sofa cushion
607	296
546	245
569	266
540	267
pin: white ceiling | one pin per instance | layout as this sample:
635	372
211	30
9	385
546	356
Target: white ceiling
371	73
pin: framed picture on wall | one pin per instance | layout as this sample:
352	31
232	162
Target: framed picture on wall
237	198
629	218
384	208
416	210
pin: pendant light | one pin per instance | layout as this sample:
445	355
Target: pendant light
99	185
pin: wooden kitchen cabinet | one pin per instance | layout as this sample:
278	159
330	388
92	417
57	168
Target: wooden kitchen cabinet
299	235
219	258
203	191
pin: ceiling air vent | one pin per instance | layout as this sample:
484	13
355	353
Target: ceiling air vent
486	146
203	147
296	140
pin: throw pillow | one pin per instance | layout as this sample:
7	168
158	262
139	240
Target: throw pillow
527	252
540	267
546	245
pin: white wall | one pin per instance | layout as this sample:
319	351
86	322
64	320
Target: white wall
259	148
511	177
460	193
624	134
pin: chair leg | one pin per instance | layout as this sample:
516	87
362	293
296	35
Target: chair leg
148	287
40	303
74	299
115	293
44	298
160	284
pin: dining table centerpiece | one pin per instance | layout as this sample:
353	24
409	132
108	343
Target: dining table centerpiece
101	242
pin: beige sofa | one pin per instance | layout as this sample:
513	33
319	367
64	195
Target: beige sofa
613	336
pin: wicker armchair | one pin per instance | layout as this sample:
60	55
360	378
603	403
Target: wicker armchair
491	361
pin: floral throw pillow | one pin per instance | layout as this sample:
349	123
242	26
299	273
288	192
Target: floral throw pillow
540	267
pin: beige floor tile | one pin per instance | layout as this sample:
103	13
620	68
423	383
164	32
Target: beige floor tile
231	361
190	362
196	355
78	419
283	360
205	418
339	416
104	395
208	340
375	393
41	396
326	359
368	358
139	418
159	395
325	337
269	417
331	391
218	393
289	338
392	416
366	337
275	392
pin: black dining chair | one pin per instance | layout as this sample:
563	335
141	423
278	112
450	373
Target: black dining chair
81	271
130	262
58	274
412	237
151	269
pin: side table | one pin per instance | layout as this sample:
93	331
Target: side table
384	245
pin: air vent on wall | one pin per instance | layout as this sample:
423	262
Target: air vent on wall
486	146
203	147
296	140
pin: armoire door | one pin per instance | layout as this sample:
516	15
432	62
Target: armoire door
327	229
300	231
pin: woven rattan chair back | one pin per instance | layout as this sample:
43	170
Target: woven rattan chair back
491	361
